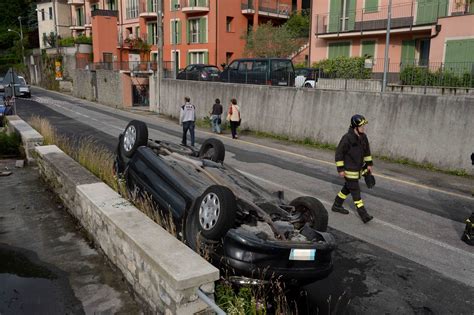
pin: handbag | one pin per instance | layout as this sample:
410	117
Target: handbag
238	123
219	121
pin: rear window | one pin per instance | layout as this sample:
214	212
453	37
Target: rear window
282	65
211	69
260	66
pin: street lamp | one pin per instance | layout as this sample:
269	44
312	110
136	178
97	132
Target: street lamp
21	39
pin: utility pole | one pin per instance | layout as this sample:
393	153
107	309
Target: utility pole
56	28
387	44
159	68
21	38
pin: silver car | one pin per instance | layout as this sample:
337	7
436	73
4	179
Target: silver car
21	88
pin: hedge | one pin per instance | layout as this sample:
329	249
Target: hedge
344	68
415	75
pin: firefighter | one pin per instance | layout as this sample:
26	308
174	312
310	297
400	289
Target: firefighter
352	159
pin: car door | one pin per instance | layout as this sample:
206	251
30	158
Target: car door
230	74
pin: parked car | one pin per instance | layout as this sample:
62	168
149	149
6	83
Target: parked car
199	72
270	71
247	230
306	77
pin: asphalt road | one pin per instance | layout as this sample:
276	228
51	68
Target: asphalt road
408	260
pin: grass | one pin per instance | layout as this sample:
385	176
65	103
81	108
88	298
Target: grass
9	144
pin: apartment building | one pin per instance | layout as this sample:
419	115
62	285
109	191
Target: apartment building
435	32
53	18
81	13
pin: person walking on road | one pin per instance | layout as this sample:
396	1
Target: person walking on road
352	158
233	116
216	116
187	118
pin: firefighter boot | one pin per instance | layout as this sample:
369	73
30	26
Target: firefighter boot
364	215
337	206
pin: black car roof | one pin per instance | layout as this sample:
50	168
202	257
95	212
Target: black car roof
260	59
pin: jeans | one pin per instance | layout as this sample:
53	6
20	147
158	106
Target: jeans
216	127
188	125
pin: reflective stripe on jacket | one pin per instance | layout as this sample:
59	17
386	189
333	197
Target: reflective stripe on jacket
351	154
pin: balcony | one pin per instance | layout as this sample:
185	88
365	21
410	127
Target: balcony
195	6
148	9
79	24
75	2
270	8
406	17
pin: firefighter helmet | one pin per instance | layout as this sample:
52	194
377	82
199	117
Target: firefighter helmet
358	121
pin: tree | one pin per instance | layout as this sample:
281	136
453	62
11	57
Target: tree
270	41
299	24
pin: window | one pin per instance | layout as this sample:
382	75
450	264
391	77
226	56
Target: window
174	5
198	57
132	9
137	31
194	30
175	32
245	66
229	20
424	50
197	30
80	17
282	65
260	66
45	39
50	13
111	4
339	49
152	31
234	65
42	14
94	7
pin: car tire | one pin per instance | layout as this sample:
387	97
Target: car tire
308	85
313	211
216	211
134	136
212	149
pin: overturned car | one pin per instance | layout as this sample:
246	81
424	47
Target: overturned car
249	232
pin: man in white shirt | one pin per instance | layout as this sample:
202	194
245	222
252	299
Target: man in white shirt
187	118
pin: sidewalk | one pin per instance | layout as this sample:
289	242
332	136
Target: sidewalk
47	265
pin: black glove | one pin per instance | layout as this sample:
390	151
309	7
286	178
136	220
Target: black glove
369	180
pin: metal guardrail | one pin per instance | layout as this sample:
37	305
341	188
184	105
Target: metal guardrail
210	302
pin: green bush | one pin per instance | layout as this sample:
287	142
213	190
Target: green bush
344	68
67	42
9	144
415	75
82	39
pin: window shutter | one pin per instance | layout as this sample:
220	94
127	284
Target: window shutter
206	57
150	34
202	30
408	52
188	58
179	32
368	48
371	5
188	32
173	32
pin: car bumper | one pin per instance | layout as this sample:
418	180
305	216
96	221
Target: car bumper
252	257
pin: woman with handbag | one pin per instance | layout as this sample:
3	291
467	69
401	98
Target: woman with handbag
233	116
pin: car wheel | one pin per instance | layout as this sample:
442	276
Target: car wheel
308	85
312	211
134	136
212	149
216	210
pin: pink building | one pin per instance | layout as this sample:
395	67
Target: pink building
434	32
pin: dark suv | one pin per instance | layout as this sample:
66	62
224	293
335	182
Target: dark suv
269	71
199	72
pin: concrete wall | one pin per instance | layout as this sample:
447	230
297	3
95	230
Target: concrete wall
162	270
109	85
83	85
422	128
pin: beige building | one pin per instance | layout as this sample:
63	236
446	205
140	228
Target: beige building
54	17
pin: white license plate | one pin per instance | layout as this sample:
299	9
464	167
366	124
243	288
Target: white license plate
282	83
302	254
23	89
214	74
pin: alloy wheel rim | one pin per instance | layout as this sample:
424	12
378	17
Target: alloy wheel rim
129	138
209	211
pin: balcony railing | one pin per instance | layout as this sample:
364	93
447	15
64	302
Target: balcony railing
75	2
272	8
194	6
404	15
79	23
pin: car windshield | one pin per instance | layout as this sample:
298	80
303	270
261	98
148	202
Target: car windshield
1	80
22	81
211	69
303	72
